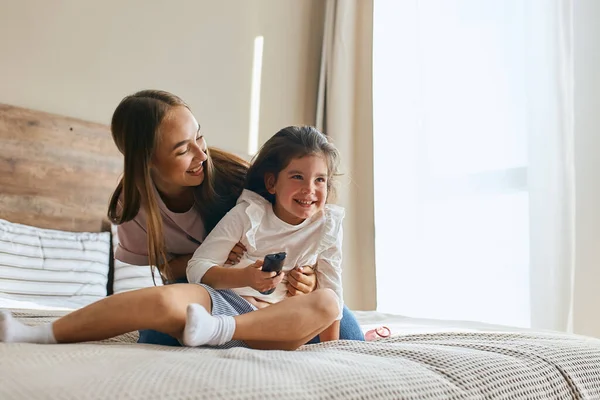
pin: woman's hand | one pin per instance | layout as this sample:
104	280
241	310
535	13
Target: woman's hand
236	254
259	280
301	280
178	266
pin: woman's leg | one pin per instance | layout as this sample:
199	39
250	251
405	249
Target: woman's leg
349	327
150	336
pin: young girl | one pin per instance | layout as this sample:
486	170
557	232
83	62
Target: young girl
221	317
283	210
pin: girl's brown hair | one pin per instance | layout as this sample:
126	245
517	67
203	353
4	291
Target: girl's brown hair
135	130
287	144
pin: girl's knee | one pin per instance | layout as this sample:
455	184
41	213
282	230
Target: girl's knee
165	305
171	301
326	304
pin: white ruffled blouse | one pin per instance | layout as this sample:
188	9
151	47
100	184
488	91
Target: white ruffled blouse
316	241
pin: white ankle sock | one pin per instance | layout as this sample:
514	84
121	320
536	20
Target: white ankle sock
12	330
202	328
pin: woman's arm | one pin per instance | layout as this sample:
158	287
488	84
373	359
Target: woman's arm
132	243
178	266
132	248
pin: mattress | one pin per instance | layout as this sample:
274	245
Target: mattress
423	359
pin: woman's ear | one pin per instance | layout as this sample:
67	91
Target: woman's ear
270	182
152	161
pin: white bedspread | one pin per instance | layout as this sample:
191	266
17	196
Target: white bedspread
442	365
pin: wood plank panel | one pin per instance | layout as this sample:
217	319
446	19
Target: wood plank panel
55	172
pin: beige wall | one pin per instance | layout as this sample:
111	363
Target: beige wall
79	58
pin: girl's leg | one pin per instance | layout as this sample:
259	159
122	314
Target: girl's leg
286	325
150	336
289	324
160	308
349	328
283	326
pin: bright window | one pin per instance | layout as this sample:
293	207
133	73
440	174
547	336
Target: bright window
451	157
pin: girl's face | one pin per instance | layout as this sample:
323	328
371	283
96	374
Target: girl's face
181	152
300	189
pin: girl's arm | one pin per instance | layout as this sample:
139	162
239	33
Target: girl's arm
207	264
179	264
215	249
219	277
329	275
230	278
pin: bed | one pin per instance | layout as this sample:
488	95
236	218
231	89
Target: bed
56	176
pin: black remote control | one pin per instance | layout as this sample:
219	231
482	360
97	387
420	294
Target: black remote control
273	263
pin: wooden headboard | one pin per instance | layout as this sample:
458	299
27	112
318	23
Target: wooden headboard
55	172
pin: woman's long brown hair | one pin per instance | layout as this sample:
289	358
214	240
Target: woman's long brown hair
135	129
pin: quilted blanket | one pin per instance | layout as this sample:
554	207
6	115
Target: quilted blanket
448	365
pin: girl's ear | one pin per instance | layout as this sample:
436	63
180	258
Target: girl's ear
270	182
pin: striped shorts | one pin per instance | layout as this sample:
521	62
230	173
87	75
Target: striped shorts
227	302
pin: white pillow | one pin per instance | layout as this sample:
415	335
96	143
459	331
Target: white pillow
129	277
51	267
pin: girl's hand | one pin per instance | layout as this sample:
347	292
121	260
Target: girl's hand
301	280
259	280
235	254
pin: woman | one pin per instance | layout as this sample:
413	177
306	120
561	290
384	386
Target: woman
174	191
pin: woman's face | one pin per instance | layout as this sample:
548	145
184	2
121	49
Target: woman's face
181	151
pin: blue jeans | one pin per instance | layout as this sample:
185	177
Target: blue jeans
349	330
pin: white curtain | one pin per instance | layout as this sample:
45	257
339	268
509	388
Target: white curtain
473	159
344	112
